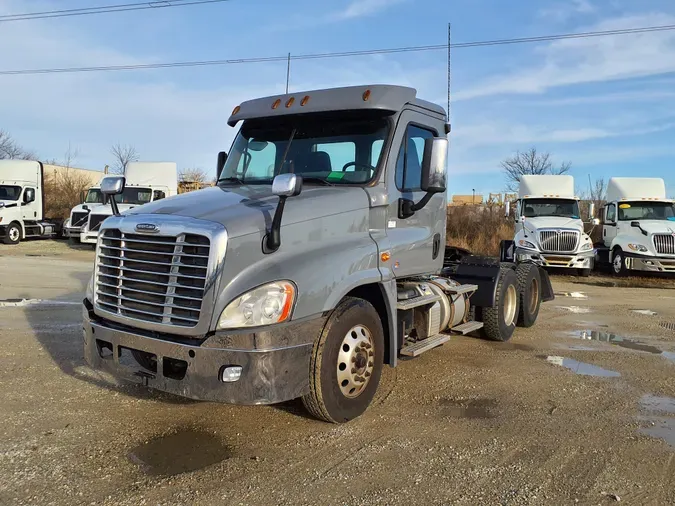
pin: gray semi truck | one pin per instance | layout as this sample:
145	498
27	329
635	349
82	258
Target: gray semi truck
318	258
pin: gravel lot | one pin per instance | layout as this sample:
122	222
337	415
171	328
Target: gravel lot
576	410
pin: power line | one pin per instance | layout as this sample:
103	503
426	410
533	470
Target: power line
103	9
341	54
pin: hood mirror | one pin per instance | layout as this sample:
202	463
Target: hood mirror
111	186
283	186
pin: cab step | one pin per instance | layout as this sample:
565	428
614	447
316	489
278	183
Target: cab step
461	289
417	301
415	349
467	327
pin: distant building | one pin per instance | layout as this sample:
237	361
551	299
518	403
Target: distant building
94	176
466	200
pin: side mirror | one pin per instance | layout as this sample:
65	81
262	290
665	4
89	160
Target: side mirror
635	224
591	210
287	185
222	158
595	221
434	165
29	195
111	186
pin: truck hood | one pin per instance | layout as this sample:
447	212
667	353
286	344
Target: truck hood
553	222
653	227
80	208
249	209
105	209
8	204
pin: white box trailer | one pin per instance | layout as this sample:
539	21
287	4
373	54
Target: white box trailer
638	232
145	182
549	228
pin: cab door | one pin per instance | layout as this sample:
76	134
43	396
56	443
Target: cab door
609	227
29	206
416	242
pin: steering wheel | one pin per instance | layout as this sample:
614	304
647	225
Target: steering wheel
359	164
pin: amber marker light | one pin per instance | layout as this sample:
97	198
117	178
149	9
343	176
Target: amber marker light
290	102
276	103
304	101
366	95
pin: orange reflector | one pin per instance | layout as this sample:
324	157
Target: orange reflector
276	103
290	102
366	95
236	110
288	304
385	256
305	100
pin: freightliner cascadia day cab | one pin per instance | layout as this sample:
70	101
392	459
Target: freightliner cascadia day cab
317	259
22	202
549	228
79	215
145	182
638	231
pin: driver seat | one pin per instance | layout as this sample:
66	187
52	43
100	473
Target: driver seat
314	161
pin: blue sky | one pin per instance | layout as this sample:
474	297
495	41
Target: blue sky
607	104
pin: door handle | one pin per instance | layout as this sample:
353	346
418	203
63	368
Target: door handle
436	246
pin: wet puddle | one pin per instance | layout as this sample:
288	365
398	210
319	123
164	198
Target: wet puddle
35	302
646	312
181	452
469	408
581	368
575	309
621	342
574	295
657	425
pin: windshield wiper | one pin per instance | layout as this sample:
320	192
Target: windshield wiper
317	180
231	180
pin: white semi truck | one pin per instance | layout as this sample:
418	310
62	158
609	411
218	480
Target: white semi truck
638	226
145	182
549	228
22	202
79	215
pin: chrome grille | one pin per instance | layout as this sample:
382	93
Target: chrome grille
664	244
559	241
95	221
78	219
157	279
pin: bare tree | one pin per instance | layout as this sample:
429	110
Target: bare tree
65	185
193	175
122	156
530	162
10	150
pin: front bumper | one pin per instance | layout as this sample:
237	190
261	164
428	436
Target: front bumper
72	231
635	262
269	375
89	237
584	260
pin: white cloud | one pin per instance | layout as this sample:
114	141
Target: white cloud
562	11
362	8
589	60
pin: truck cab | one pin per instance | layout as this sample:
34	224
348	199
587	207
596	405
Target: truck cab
549	228
79	215
22	202
638	231
145	182
318	258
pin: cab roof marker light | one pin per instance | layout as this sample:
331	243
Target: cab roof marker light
304	101
366	95
290	102
276	103
236	110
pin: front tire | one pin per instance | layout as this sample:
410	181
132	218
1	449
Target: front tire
346	363
529	288
619	268
499	321
13	235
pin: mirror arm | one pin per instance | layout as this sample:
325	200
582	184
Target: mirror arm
406	208
272	239
113	205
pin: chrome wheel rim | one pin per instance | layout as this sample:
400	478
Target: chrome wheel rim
534	295
356	361
510	299
14	234
617	263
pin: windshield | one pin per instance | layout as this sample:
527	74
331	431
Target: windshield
564	208
135	196
646	211
94	196
10	192
333	148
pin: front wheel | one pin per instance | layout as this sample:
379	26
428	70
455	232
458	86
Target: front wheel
619	268
499	321
346	363
13	234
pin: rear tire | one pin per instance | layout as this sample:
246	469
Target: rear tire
499	321
13	234
346	363
529	288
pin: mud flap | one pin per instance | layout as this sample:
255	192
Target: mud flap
547	294
480	271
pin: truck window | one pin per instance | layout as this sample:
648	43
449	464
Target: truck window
158	195
94	197
257	160
611	214
134	196
629	211
10	192
409	162
340	154
565	208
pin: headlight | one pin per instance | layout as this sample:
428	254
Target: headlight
526	244
90	289
265	305
586	246
638	247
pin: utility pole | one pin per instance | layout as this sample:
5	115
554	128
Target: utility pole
449	72
288	72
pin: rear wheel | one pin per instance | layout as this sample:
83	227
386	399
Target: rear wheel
499	321
529	287
346	363
13	234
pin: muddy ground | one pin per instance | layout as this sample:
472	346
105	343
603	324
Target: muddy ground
548	418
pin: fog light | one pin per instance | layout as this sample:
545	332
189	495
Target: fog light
231	374
649	262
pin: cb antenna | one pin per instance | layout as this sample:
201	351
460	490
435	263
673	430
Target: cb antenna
449	69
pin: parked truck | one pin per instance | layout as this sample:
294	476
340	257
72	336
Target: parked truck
79	215
549	228
22	202
638	232
317	259
145	182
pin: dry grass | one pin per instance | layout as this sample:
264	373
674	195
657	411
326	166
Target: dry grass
478	229
63	191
